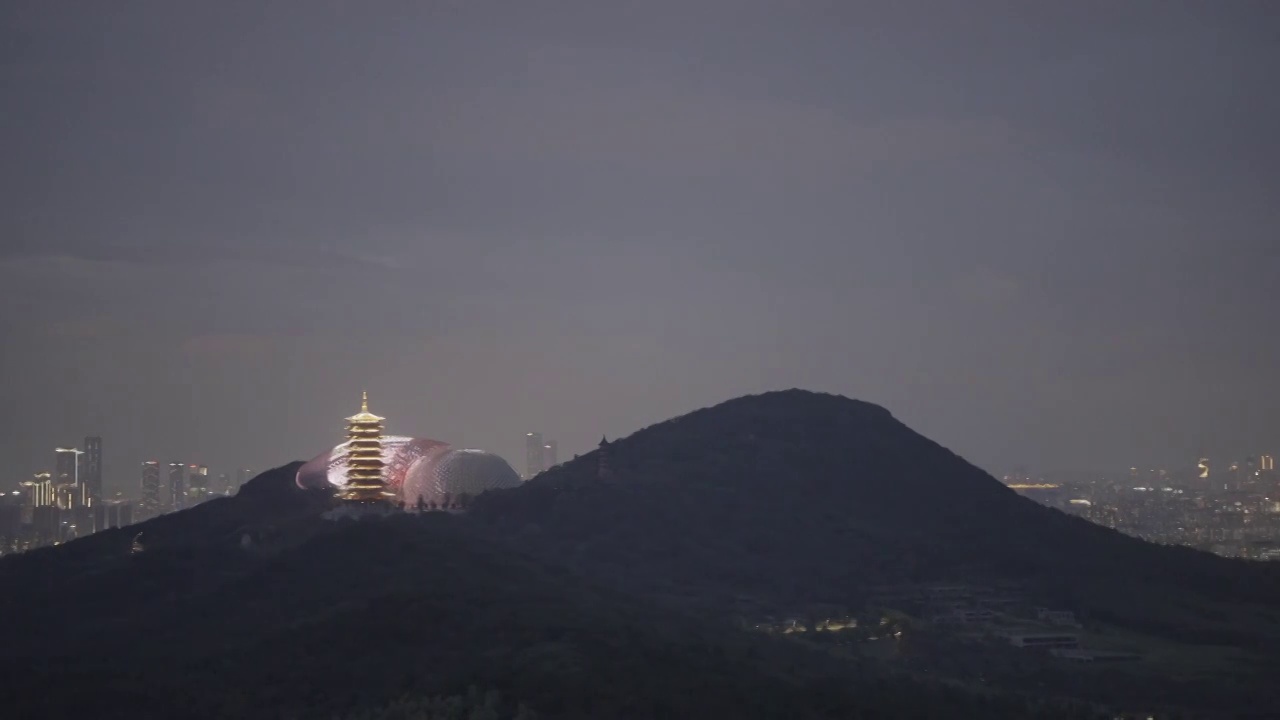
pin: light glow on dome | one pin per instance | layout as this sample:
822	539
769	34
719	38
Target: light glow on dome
418	471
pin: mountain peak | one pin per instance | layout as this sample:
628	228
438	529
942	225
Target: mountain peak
774	437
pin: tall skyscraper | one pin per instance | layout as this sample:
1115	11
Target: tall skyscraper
1266	463
66	466
533	454
197	484
177	485
242	477
150	489
66	478
365	483
549	452
92	470
1202	468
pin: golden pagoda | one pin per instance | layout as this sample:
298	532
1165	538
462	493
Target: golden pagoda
364	458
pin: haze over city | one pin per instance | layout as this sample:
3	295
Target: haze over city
1040	234
582	359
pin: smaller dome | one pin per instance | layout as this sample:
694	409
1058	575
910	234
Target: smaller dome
440	482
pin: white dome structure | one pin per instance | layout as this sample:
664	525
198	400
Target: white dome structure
444	481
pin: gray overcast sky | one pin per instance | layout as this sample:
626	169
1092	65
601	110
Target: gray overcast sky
1038	232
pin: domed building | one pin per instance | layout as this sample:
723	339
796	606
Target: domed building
329	470
375	469
442	482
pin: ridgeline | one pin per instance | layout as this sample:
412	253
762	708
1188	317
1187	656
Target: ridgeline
630	593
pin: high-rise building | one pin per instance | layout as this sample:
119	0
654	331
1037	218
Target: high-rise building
549	452
221	487
197	484
1236	474
39	490
177	485
65	496
365	484
1202	468
533	454
92	471
11	513
242	477
1266	463
65	462
46	525
66	477
150	505
114	514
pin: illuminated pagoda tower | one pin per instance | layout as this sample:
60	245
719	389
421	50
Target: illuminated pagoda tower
365	483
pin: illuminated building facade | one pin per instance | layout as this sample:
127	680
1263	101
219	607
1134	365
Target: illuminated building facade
177	485
150	505
1266	463
91	473
65	466
534	458
1235	477
66	478
365	483
400	457
39	490
65	495
448	480
549	455
197	484
417	473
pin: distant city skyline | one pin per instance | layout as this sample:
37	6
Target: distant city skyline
539	453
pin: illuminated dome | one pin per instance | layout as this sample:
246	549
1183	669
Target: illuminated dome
328	471
440	481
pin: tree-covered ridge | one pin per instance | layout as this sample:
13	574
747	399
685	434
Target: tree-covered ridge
332	619
628	595
474	705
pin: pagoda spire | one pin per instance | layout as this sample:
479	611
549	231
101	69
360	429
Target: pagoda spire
365	483
603	469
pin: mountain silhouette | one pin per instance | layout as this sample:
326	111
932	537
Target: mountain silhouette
799	496
617	585
257	607
796	503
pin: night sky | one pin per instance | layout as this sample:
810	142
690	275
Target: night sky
1042	233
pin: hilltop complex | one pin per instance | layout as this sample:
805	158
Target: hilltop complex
420	473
